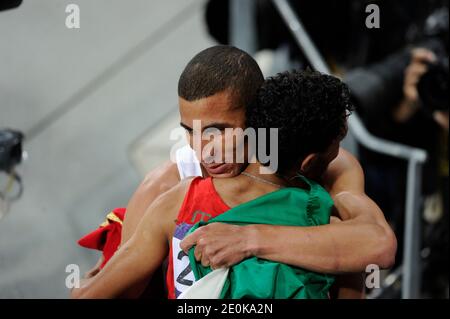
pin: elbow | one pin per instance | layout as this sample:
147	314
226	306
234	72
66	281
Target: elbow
386	249
77	293
84	291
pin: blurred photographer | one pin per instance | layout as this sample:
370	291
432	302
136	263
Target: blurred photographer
398	78
404	98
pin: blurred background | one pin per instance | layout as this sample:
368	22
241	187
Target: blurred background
86	112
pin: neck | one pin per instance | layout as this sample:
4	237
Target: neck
288	180
255	169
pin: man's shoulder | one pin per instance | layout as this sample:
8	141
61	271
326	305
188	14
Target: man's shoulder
160	179
344	173
178	191
169	203
156	182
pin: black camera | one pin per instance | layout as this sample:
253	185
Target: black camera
10	149
433	85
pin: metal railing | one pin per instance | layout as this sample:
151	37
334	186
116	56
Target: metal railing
242	32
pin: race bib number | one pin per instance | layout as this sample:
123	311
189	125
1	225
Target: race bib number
182	271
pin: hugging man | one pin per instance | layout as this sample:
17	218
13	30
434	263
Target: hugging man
216	87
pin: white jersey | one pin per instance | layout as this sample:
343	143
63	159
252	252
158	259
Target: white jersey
187	163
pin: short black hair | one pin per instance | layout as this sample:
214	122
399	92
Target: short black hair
221	68
310	110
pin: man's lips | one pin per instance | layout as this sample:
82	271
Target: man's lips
217	168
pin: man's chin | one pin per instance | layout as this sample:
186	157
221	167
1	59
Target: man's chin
224	175
224	170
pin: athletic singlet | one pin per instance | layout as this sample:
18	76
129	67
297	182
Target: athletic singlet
202	202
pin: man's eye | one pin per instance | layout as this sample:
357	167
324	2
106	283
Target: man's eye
212	131
215	129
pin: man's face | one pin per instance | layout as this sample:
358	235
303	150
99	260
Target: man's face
214	112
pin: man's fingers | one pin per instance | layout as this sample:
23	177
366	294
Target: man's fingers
414	71
219	261
442	119
190	240
205	260
198	253
423	55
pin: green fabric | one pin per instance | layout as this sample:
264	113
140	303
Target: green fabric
259	278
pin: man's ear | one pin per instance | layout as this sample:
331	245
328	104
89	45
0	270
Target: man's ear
307	163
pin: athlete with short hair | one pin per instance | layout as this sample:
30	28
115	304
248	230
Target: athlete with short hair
310	129
223	79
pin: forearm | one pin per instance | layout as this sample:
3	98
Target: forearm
116	279
335	248
363	236
132	266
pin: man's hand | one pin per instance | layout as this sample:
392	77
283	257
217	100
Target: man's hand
441	117
409	105
220	245
420	57
418	66
363	237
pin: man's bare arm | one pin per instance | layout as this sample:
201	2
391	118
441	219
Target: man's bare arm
363	237
94	270
345	181
155	183
129	270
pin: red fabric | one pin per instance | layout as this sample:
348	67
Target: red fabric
107	237
203	202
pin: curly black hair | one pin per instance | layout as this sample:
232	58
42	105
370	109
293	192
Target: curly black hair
310	110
